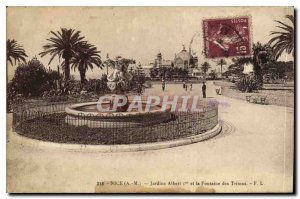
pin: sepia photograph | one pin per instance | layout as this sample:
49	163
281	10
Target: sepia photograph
187	99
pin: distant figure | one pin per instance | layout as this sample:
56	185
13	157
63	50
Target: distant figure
186	87
163	85
204	90
183	84
219	90
191	87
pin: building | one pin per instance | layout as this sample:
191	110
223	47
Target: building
146	69
185	60
132	67
160	62
196	73
167	63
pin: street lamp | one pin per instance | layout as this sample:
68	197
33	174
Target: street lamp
190	45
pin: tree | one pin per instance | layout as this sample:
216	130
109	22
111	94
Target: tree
213	74
169	73
153	72
204	67
237	65
30	79
63	44
15	52
137	81
283	39
262	58
262	55
235	69
86	57
53	78
162	72
185	73
221	63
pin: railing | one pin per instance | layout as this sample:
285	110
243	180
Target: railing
49	122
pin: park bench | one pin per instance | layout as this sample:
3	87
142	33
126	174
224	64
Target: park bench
256	99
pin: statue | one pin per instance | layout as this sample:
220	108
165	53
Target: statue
119	78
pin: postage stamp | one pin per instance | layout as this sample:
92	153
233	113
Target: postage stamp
227	37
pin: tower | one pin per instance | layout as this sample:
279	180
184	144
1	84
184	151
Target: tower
159	59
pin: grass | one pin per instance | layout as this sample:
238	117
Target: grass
53	128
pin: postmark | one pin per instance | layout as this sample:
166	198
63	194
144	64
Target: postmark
227	37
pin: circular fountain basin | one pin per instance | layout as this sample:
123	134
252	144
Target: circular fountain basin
87	114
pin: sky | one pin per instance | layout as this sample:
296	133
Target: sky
132	32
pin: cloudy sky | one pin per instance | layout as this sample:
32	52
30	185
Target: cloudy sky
132	32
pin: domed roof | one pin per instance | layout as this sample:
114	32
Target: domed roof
184	55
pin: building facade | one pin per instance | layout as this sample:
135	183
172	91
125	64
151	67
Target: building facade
183	59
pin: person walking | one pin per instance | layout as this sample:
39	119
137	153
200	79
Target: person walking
191	87
184	84
163	85
204	90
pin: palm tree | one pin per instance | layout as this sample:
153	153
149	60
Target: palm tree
221	63
64	43
86	58
204	67
283	40
15	52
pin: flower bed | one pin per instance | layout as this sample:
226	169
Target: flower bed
53	128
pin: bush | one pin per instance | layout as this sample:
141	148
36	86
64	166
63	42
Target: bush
136	84
97	85
248	84
12	97
30	79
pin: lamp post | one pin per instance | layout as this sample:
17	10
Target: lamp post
107	57
190	45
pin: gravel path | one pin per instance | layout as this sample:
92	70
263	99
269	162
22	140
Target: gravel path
256	144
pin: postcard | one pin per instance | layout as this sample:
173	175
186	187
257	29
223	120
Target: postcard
150	99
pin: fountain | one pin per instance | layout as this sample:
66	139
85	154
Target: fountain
115	123
91	115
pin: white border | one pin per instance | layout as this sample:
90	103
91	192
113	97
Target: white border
5	3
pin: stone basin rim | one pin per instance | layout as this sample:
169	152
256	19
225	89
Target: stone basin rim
71	110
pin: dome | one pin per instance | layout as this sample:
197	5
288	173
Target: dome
183	59
184	55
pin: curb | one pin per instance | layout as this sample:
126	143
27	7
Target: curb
24	141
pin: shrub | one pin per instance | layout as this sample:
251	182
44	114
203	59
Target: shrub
97	85
136	84
30	79
248	84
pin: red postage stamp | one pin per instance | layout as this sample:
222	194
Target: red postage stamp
228	37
